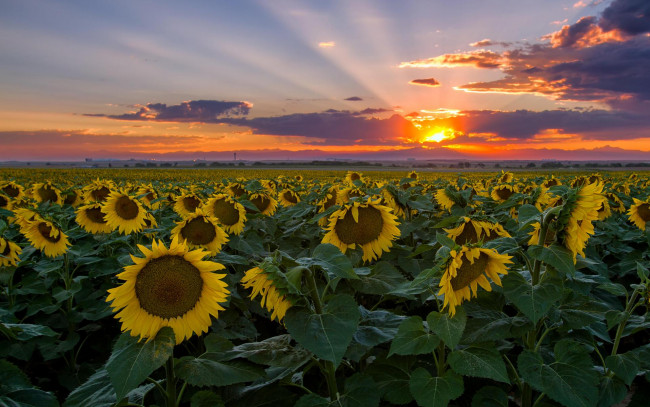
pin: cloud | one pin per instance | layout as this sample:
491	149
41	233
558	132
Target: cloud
353	99
598	59
334	127
326	44
479	59
202	111
432	82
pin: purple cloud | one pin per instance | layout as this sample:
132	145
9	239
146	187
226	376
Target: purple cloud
202	111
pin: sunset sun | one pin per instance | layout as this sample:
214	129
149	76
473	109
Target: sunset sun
437	135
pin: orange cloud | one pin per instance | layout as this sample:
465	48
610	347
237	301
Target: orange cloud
479	59
431	82
584	33
326	44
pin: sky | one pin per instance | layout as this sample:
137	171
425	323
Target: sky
278	80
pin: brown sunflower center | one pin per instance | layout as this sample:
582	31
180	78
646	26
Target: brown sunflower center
329	201
70	198
47	194
644	212
150	197
290	197
3	201
406	185
225	212
504	193
467	272
551	183
237	190
11	190
468	235
168	286
198	231
365	231
355	193
354	176
6	250
95	215
191	203
100	194
44	229
126	208
261	202
413	176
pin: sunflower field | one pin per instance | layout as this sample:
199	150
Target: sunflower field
306	288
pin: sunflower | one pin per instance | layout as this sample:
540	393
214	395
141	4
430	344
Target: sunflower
583	211
47	237
506	177
443	199
5	202
148	194
124	213
330	199
352	176
236	189
23	217
230	214
199	230
390	201
467	269
187	204
604	211
615	202
169	287
272	298
502	192
98	191
91	218
46	192
639	213
72	197
551	182
473	231
370	225
534	235
346	194
12	190
9	253
264	203
288	197
413	175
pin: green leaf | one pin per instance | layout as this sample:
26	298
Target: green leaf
444	240
360	391
571	380
205	371
534	302
383	278
12	378
642	271
624	366
97	391
392	377
479	362
377	327
446	222
28	398
611	392
274	351
431	391
312	400
449	329
413	338
490	396
25	332
527	214
330	258
205	398
327	335
132	362
555	255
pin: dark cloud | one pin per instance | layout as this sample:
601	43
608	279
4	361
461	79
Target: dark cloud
353	99
202	111
431	82
630	16
526	124
334	127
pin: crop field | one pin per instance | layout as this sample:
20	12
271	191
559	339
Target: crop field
323	288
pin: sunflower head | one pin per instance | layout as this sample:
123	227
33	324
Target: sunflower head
368	224
264	203
288	197
98	191
46	192
228	212
236	189
124	213
47	237
348	193
413	175
169	287
444	199
639	213
12	189
201	230
72	197
501	193
91	218
353	176
466	269
187	204
506	177
148	194
475	231
551	182
5	202
267	281
9	253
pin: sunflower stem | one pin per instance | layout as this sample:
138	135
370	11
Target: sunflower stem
546	220
170	382
621	325
442	363
330	369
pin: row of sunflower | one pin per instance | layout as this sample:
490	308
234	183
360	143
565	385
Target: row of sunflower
316	291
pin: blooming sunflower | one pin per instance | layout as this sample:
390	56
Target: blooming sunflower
199	230
534	235
639	213
390	201
5	202
443	199
413	175
169	287
288	197
330	199
47	237
12	190
262	284
551	182
473	231
9	253
72	197
264	203
124	213
352	176
468	268
187	204
98	191
149	194
23	217
604	211
370	225
615	202
502	192
46	192
91	218
346	194
236	189
583	211
230	214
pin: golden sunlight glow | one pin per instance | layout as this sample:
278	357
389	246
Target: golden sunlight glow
439	135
